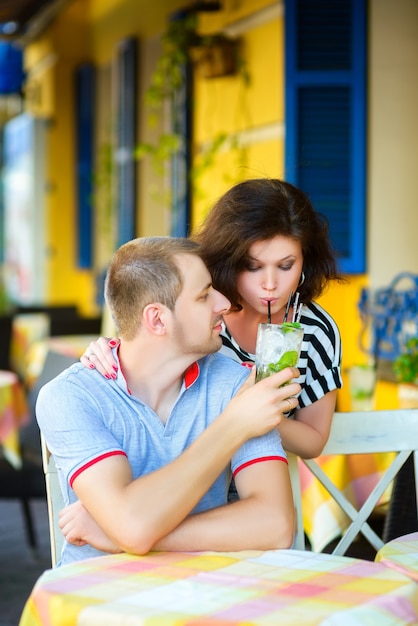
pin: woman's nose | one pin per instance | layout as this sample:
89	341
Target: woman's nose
269	279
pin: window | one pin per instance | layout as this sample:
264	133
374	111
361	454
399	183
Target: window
326	116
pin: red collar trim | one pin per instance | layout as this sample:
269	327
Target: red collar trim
191	374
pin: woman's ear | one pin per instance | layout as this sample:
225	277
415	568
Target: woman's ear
154	318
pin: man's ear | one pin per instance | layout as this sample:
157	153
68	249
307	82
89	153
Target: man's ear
154	318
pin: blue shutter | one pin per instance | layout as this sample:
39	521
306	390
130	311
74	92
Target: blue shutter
326	116
126	139
12	74
85	88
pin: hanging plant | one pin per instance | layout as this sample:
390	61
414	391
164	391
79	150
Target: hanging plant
211	55
215	56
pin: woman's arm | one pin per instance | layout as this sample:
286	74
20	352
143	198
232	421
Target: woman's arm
307	434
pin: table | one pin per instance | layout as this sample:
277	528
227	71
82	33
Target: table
355	475
27	329
14	413
401	554
68	345
241	588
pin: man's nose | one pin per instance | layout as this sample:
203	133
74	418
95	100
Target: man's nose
222	304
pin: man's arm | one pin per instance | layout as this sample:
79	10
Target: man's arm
152	506
261	520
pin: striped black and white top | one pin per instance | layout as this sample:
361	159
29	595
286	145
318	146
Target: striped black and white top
320	358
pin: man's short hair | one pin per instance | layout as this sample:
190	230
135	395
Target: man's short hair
143	271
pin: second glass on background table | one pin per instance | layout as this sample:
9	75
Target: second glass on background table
362	387
278	346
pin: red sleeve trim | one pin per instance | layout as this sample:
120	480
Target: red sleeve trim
93	462
260	460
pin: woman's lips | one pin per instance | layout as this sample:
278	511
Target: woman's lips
272	301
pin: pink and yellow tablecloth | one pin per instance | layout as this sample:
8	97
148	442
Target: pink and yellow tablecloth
356	476
401	554
14	413
283	587
27	329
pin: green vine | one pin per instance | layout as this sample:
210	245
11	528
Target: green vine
178	43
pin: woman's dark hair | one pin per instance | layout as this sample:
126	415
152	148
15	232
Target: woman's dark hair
258	210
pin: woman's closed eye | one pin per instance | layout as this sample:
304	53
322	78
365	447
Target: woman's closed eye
256	268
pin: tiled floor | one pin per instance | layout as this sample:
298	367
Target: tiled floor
19	568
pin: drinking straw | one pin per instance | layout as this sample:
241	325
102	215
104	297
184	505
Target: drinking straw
268	312
295	306
299	313
288	306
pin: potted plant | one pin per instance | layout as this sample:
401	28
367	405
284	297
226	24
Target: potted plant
405	368
215	55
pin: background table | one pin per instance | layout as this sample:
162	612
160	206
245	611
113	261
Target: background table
356	476
260	588
67	345
27	329
14	414
401	554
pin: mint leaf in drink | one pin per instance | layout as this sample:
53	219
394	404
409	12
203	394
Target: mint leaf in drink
287	326
289	359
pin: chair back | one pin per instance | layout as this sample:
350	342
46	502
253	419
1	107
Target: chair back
55	502
54	364
361	432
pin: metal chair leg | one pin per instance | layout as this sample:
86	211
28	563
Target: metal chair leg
30	530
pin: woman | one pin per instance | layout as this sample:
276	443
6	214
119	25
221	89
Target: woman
261	241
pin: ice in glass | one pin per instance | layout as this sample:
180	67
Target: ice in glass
278	346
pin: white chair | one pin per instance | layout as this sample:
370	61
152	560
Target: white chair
53	365
55	502
360	432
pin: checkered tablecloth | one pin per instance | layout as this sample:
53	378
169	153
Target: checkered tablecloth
401	554
14	413
285	587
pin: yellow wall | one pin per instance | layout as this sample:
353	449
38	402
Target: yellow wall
113	20
247	113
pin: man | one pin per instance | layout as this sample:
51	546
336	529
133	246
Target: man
150	455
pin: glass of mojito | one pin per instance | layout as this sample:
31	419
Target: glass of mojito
278	346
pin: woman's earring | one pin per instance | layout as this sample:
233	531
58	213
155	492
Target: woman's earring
302	279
